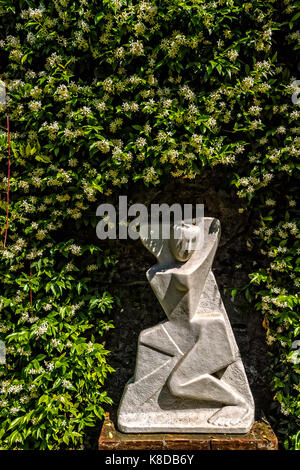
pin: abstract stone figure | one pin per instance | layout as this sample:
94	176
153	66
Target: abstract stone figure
189	376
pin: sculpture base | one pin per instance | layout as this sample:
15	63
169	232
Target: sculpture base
161	412
178	421
260	437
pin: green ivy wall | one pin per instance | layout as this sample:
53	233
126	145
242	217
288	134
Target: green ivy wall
104	95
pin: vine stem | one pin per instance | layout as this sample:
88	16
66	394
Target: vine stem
8	174
30	290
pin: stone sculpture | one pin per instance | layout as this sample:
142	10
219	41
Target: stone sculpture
189	375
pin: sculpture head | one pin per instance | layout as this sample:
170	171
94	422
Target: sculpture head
184	240
191	247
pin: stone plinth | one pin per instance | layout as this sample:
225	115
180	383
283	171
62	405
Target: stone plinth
260	437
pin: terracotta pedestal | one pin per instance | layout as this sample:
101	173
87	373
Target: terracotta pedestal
260	437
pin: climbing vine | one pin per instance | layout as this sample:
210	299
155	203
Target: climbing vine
103	94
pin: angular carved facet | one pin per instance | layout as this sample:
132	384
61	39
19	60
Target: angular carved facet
189	376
